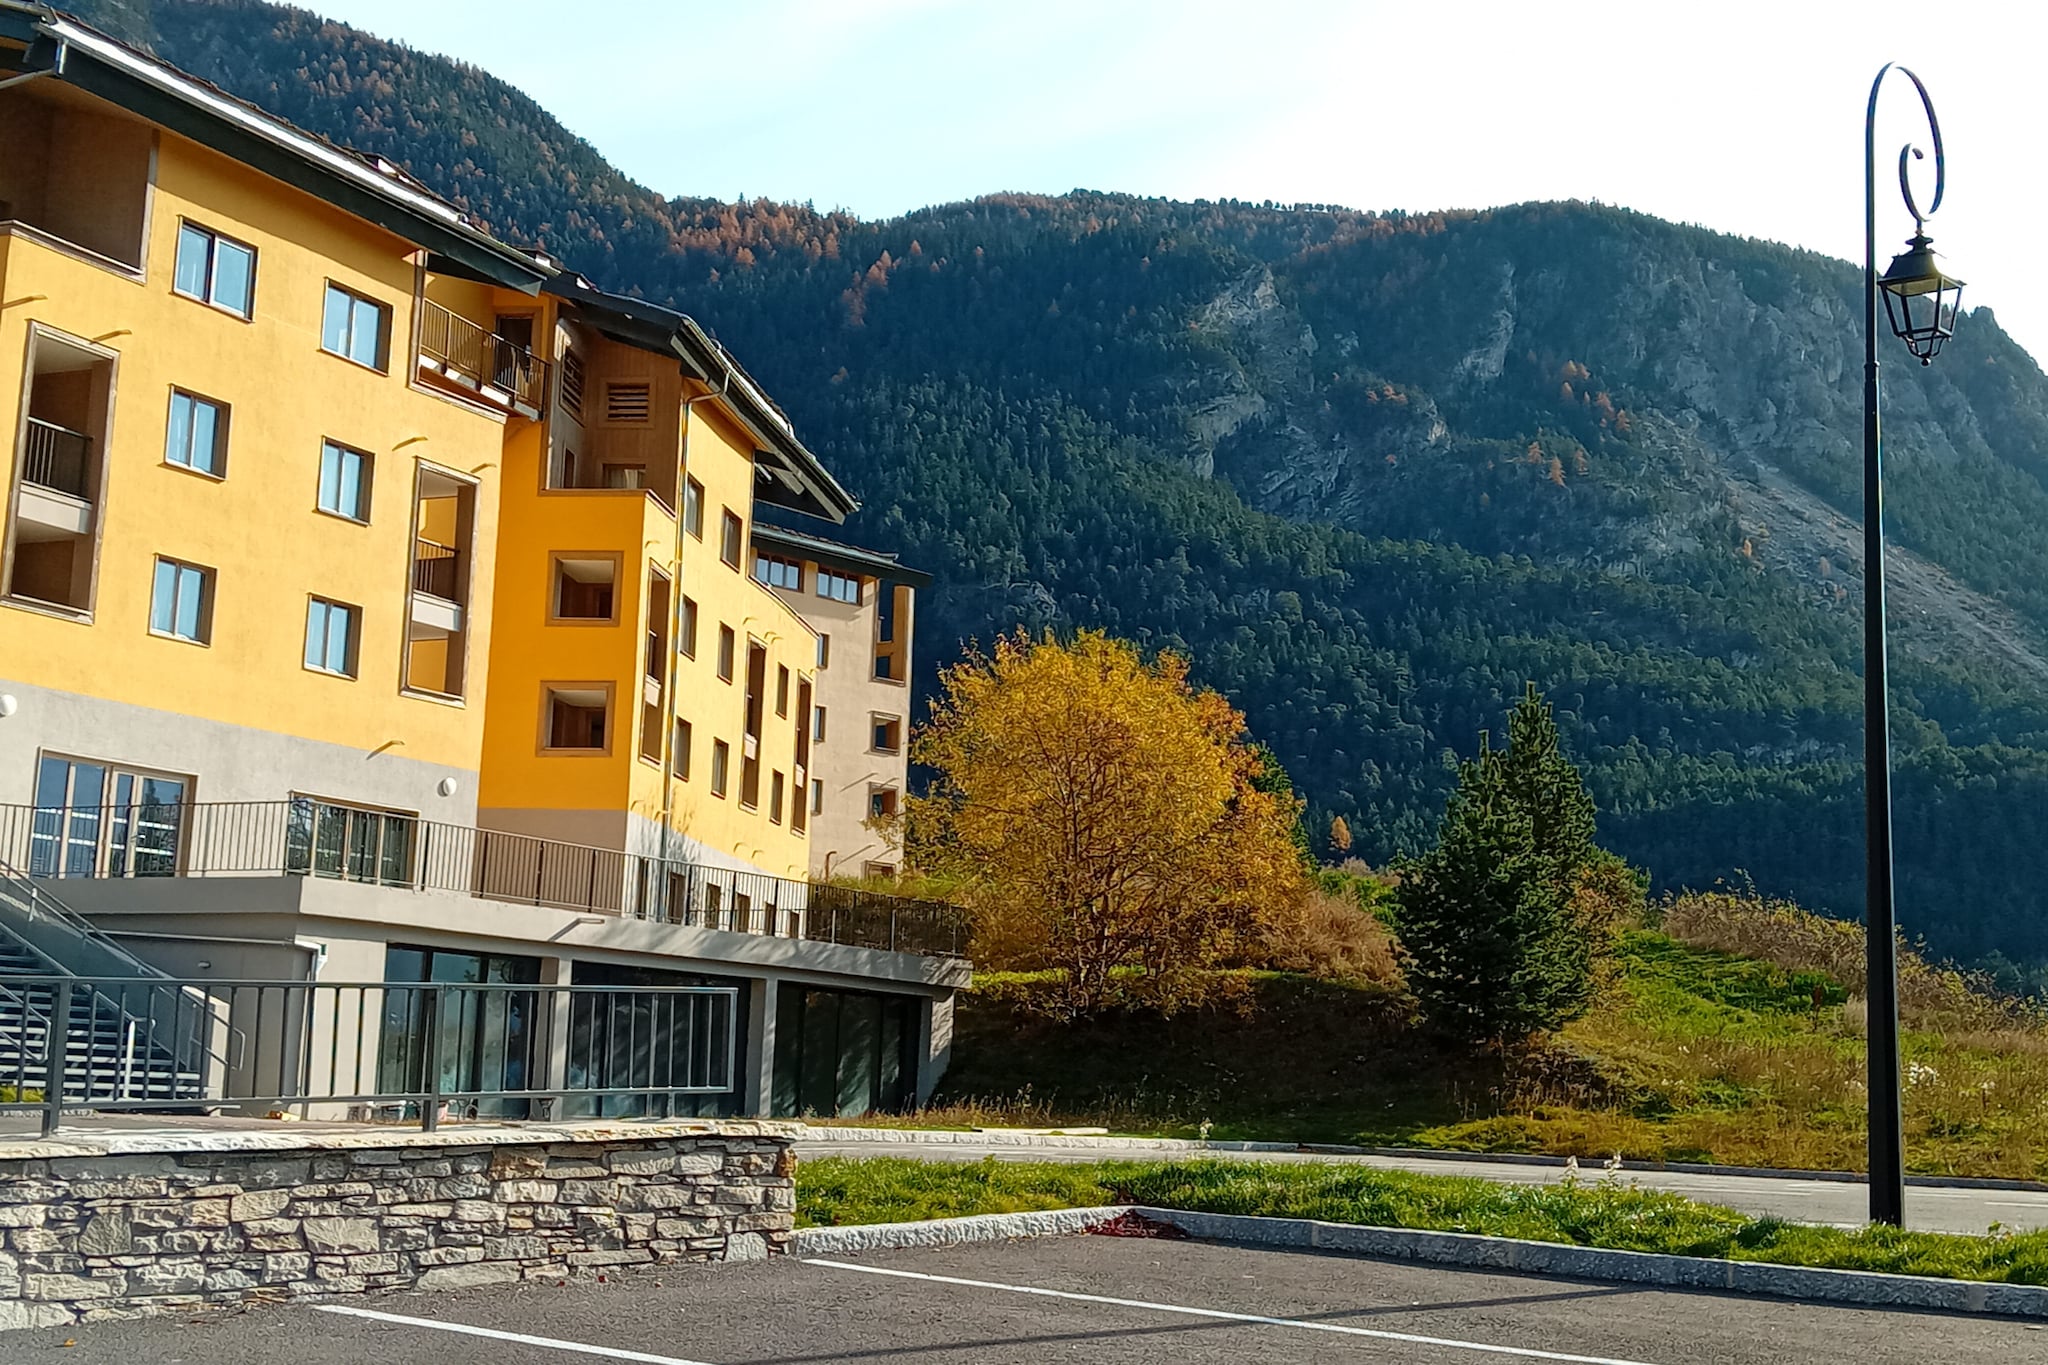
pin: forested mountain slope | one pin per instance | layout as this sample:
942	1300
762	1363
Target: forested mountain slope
1371	470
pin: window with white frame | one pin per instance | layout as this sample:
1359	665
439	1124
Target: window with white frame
215	269
344	481
778	572
181	601
333	631
838	587
355	328
196	437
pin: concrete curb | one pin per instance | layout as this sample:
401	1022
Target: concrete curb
1803	1283
920	1136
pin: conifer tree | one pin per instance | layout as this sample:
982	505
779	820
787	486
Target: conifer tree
1494	949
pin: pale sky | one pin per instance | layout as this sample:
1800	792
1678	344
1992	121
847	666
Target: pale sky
1739	116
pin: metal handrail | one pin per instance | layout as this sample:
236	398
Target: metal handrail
55	457
435	569
305	837
479	358
379	1043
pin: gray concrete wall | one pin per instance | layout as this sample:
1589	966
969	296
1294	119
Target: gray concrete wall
227	762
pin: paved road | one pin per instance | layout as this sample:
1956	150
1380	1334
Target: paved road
1080	1299
1933	1208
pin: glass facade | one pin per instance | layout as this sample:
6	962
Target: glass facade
488	1042
844	1053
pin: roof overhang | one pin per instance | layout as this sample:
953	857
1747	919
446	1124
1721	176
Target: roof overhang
792	476
835	554
64	49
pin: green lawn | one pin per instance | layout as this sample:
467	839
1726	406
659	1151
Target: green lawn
1596	1212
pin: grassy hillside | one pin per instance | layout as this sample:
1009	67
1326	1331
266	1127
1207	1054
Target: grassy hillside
1693	1055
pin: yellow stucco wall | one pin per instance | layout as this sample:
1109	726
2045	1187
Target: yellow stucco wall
258	528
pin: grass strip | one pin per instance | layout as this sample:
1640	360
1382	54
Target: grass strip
1606	1212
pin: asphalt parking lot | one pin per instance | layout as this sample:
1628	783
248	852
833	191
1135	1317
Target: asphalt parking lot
1089	1299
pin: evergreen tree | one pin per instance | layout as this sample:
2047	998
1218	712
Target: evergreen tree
1495	950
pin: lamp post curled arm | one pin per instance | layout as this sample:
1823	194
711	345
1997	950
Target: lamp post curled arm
1921	305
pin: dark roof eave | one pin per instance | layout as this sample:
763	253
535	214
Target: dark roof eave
836	554
68	50
824	496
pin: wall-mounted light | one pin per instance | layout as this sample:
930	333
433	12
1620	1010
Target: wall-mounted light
8	705
448	786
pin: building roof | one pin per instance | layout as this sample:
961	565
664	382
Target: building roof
38	41
837	554
795	478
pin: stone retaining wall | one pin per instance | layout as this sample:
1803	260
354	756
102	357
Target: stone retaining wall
140	1223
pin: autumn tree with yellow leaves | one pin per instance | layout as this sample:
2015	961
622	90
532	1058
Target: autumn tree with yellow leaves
1100	817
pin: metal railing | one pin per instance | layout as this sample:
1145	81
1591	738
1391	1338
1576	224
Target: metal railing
477	358
305	837
56	457
386	1050
435	569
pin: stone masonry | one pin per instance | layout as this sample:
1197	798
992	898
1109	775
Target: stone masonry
132	1223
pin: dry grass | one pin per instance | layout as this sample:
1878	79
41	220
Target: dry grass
1330	938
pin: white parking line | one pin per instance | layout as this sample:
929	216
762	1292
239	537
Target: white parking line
464	1329
1449	1343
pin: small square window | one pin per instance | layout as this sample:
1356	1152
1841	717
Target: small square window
215	269
344	481
679	751
355	328
881	803
584	587
775	798
693	508
181	601
686	629
781	690
731	532
197	436
721	760
333	632
888	734
578	718
727	644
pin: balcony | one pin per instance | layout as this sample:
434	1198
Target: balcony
467	356
56	458
401	853
436	569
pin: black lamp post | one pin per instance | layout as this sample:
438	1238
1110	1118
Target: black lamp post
1921	304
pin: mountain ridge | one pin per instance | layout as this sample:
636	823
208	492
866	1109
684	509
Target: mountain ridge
1370	470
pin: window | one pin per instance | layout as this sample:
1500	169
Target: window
216	270
824	651
583	587
625	476
775	797
679	751
576	717
838	587
572	382
817	725
686	629
693	508
880	871
781	690
344	482
628	403
881	803
197	437
181	601
332	631
779	573
355	328
885	667
888	734
817	796
726	646
349	843
96	819
721	759
729	536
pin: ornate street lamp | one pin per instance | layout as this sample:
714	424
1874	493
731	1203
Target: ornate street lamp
1921	304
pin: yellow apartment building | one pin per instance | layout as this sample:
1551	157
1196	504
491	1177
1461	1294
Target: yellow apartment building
374	609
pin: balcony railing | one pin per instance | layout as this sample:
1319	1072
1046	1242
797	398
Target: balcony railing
477	358
322	839
435	569
56	457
